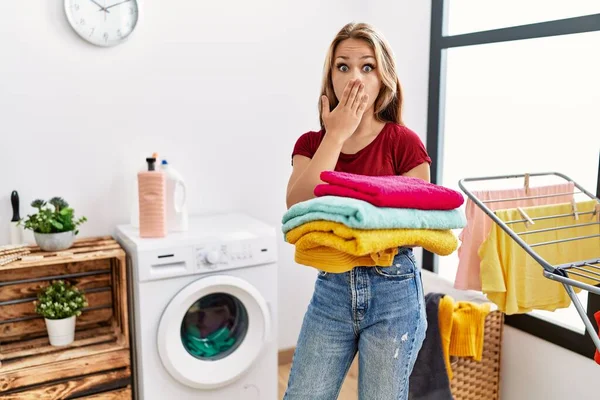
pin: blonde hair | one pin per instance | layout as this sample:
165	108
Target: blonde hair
388	105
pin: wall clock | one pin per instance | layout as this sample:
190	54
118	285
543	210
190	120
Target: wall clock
103	22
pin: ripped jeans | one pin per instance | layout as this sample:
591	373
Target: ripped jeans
377	311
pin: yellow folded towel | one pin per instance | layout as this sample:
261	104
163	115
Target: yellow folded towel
462	326
335	261
361	242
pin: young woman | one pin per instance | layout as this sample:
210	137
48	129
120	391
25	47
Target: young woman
378	312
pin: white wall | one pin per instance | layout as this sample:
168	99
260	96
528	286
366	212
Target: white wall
535	369
222	91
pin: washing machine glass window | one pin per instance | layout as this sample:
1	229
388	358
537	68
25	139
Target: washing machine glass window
213	330
214	326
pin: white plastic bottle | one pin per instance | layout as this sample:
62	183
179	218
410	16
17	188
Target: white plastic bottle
177	215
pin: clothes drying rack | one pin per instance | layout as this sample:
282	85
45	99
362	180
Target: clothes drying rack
588	269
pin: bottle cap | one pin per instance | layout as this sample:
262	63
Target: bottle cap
151	161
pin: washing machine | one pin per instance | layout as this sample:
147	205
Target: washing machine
204	310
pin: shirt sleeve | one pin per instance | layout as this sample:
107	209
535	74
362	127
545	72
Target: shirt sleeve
306	145
410	152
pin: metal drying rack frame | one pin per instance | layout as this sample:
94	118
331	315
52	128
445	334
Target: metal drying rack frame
589	269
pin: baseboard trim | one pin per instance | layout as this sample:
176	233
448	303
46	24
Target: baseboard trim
285	356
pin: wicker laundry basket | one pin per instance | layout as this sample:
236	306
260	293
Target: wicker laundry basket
480	380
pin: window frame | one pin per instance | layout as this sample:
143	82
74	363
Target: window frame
439	43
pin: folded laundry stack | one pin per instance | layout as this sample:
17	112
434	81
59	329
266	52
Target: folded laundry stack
358	220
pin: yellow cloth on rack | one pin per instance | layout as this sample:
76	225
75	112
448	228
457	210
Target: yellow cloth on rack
513	280
462	326
335	261
360	242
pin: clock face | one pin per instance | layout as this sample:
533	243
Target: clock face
102	22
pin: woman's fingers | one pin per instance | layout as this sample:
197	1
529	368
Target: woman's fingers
324	106
358	98
353	93
363	105
346	93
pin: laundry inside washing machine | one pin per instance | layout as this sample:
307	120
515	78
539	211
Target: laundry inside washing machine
214	326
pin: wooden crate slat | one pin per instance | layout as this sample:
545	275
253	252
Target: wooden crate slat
115	298
35	272
120	394
85	245
121	286
42	345
65	369
37	327
21	310
76	250
79	242
47	348
80	248
77	387
69	353
30	289
58	260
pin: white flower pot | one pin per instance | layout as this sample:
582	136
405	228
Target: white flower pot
54	241
61	332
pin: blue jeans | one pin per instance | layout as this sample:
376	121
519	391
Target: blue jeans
377	311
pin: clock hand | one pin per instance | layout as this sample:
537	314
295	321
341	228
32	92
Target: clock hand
101	8
117	4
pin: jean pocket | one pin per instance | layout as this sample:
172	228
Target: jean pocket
402	268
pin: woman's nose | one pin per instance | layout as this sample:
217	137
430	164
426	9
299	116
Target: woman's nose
355	76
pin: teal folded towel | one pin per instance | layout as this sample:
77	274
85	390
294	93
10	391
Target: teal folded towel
360	214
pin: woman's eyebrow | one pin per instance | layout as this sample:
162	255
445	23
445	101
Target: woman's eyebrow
346	58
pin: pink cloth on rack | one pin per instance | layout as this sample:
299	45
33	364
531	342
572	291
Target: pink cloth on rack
389	191
479	225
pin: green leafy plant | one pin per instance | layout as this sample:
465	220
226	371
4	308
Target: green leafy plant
60	300
55	216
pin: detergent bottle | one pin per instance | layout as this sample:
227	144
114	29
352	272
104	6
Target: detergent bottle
152	201
176	199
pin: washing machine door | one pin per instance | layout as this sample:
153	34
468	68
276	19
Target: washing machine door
212	331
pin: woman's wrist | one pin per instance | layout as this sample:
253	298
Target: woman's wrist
334	138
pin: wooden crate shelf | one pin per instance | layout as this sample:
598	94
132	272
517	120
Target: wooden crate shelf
98	363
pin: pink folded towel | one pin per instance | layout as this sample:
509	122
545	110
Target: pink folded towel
389	191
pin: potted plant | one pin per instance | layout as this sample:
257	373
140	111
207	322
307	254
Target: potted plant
60	303
54	226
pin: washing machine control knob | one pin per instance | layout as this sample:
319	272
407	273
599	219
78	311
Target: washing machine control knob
212	257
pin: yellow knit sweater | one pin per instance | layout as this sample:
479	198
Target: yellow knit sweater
335	261
461	329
